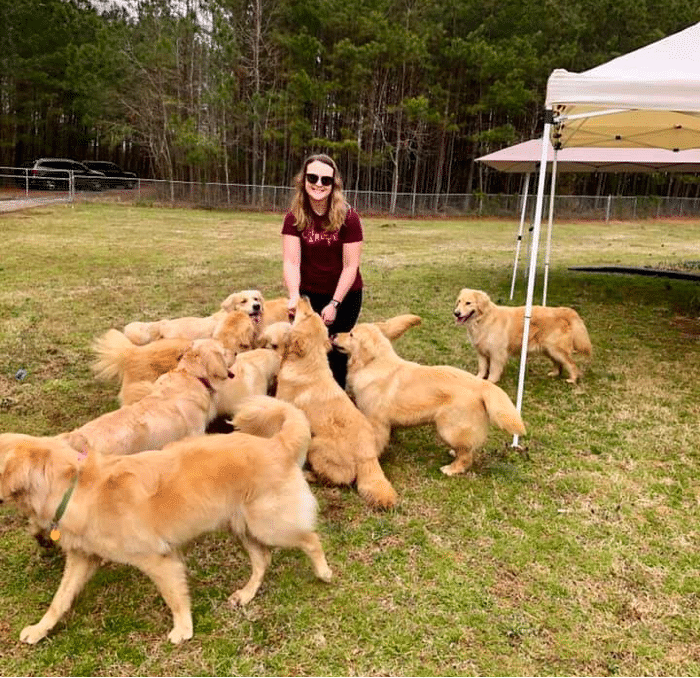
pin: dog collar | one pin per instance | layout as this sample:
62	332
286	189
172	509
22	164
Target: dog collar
206	383
55	533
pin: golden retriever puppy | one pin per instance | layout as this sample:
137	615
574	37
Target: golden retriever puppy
275	336
393	392
134	366
192	327
343	448
254	373
180	404
497	333
139	510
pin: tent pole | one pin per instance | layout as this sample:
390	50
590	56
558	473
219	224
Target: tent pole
549	227
533	263
519	241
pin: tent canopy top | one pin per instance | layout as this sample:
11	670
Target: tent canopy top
525	158
647	98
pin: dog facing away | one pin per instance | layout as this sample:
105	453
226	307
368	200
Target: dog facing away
343	448
237	331
393	392
180	404
139	510
192	327
497	333
275	336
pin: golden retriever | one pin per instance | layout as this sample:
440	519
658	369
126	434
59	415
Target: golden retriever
275	336
237	331
254	373
134	366
274	311
192	327
180	404
393	392
139	510
343	448
497	333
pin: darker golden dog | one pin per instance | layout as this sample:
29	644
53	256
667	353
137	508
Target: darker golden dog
393	392
343	448
139	510
497	333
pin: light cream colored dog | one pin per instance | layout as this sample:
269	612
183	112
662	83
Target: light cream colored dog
393	392
275	336
180	404
139	510
497	333
254	373
343	448
192	327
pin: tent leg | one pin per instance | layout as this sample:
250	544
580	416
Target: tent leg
549	228
533	265
519	241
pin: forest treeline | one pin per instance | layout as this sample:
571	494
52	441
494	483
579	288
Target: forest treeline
405	94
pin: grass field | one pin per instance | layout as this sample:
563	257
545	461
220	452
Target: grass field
577	555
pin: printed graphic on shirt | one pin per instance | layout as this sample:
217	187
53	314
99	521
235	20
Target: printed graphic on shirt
314	237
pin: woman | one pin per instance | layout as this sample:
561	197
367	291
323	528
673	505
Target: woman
322	247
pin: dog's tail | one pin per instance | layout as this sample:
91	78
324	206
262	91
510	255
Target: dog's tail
501	411
373	486
112	349
582	342
269	417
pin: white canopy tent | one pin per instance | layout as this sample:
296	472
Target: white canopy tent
647	98
524	158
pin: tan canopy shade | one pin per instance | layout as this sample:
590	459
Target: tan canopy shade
647	98
525	157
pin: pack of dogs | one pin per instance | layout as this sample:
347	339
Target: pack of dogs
135	484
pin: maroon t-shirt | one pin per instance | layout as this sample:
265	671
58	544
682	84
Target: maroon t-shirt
322	252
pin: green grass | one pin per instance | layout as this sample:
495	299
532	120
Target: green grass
577	555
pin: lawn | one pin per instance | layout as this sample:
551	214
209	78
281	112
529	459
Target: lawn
578	554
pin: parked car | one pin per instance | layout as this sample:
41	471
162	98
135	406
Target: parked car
53	174
116	176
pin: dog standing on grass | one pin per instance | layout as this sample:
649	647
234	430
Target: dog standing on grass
497	333
393	392
140	509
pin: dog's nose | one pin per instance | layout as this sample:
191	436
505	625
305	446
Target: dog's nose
456	313
256	307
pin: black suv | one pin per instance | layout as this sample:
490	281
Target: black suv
116	176
53	174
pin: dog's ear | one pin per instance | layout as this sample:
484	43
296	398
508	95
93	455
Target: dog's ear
483	301
215	364
23	469
395	327
297	345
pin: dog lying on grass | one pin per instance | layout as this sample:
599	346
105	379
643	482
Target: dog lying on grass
140	509
393	392
497	333
192	327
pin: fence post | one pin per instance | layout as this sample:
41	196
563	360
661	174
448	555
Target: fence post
607	209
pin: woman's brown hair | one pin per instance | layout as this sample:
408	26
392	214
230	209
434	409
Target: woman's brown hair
337	205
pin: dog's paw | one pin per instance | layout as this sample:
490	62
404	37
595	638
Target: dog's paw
32	634
450	470
325	574
179	635
240	598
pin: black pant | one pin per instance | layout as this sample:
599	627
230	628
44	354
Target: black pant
346	316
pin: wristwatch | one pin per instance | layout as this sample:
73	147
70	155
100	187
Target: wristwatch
335	303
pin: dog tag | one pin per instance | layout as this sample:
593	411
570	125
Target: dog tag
55	534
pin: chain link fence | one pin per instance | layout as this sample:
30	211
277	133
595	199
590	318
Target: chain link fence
14	186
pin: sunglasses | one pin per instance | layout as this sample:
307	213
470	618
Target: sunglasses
314	178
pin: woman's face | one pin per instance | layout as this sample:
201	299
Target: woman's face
320	172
